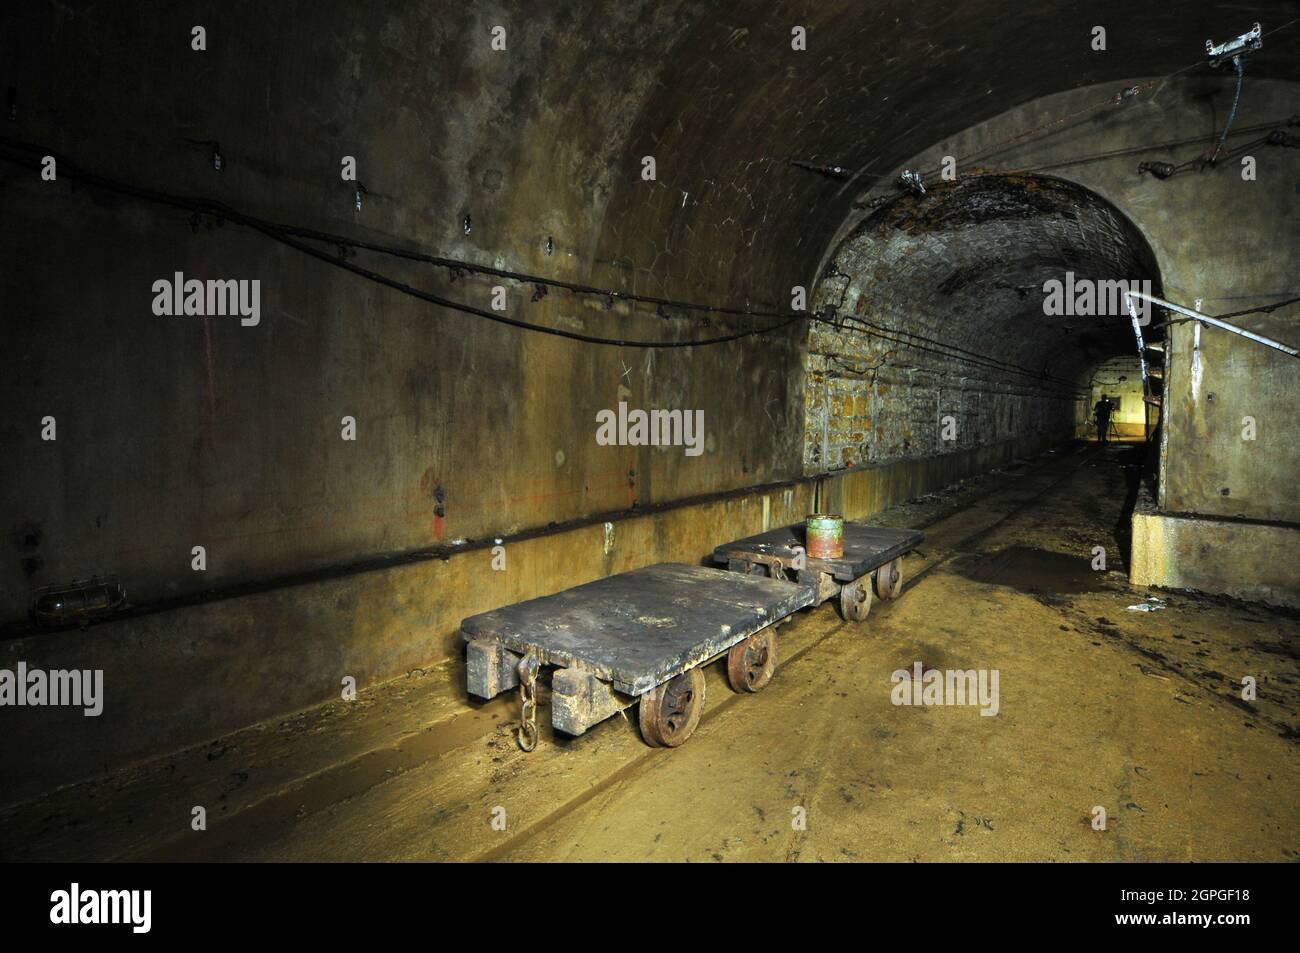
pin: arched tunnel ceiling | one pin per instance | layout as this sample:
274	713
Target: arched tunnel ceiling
546	138
878	83
967	262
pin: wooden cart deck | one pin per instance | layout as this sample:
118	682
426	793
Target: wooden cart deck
866	548
638	629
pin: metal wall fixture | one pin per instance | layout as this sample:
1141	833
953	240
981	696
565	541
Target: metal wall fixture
1161	170
912	181
77	603
1248	42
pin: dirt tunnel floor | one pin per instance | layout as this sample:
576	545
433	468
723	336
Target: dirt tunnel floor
1100	706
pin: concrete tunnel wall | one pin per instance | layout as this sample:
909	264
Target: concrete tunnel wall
175	432
185	440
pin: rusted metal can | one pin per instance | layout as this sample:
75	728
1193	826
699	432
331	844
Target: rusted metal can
824	537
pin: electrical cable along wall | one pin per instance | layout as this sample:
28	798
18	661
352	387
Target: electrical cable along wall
520	168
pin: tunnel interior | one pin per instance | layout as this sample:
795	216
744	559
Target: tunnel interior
330	326
937	307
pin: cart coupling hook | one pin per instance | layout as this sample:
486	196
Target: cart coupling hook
526	736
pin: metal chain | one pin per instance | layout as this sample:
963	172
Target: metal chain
526	736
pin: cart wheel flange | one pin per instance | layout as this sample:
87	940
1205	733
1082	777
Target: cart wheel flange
670	712
752	663
855	600
889	579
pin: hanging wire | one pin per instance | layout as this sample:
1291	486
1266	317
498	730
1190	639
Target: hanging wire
289	235
1232	113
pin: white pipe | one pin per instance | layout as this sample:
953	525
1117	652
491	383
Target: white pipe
1142	350
1257	338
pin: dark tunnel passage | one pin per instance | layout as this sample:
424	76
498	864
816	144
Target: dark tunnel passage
969	260
948	292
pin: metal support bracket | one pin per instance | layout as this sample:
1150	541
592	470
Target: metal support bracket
580	700
1248	42
1214	322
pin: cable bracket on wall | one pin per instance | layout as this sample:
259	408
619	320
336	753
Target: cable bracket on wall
1229	50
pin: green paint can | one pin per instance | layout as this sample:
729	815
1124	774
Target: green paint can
824	537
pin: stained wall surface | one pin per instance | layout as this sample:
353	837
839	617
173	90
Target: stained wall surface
177	432
182	431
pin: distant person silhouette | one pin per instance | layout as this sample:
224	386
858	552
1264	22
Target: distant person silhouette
1102	413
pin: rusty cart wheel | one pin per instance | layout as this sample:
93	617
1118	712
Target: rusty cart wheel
855	600
671	711
889	579
752	663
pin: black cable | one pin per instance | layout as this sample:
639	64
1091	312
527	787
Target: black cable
1154	147
1157	83
219	210
1002	144
456	264
453	264
501	318
876	330
282	233
1263	309
1030	374
1137	150
1232	113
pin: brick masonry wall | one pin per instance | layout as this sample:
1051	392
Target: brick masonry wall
859	410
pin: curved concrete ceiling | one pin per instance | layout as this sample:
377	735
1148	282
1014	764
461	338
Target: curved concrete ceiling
967	263
546	139
878	83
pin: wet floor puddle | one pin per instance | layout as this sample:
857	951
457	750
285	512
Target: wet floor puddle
1034	571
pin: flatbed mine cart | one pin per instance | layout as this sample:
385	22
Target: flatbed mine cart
639	636
872	562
